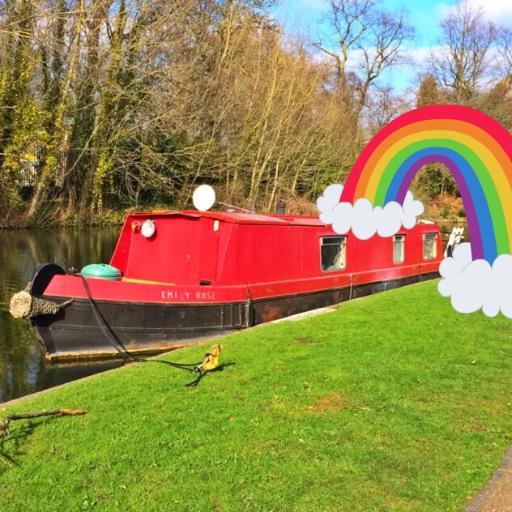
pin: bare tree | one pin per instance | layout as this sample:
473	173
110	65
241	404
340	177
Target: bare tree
383	106
350	20
364	33
504	43
463	59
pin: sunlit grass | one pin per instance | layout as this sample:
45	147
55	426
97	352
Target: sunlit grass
393	402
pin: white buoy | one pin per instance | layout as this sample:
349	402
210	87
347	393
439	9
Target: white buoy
203	198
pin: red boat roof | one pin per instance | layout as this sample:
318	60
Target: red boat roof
251	218
238	218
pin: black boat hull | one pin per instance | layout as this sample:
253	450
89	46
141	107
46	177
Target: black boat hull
110	329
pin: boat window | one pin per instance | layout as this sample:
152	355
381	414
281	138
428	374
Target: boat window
398	249
429	246
333	253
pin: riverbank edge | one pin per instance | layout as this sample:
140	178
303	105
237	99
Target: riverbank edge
108	217
195	343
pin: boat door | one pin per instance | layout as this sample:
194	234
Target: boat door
209	245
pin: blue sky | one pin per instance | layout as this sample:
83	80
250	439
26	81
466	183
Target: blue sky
308	18
309	15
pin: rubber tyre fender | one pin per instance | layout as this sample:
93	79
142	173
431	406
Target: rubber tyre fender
42	276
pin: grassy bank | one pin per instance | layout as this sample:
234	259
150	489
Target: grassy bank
394	402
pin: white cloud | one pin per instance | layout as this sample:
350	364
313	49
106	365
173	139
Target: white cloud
475	284
421	56
444	10
364	219
497	11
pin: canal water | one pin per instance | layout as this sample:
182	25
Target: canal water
23	369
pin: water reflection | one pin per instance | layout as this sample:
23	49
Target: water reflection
23	369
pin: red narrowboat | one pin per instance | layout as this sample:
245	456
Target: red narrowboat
190	274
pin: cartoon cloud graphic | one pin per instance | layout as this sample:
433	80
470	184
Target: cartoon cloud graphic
478	152
364	219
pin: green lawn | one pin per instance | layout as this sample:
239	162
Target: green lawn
393	402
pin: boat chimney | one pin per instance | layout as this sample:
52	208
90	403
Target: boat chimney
281	207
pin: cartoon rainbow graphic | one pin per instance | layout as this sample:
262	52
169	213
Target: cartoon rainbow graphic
474	147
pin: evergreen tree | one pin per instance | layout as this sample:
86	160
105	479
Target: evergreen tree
428	92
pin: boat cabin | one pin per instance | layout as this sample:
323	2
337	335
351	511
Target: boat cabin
223	249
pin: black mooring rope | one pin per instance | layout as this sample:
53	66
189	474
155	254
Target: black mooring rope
121	349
